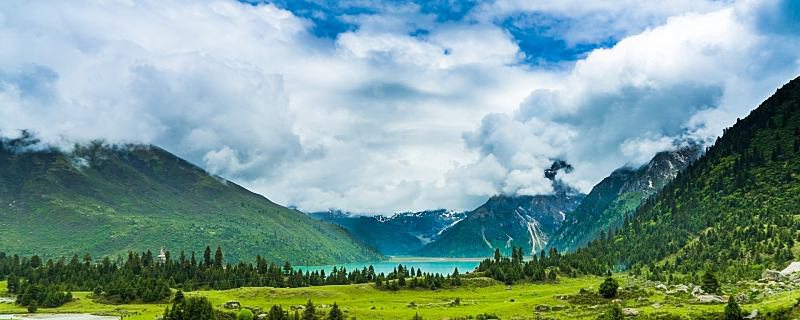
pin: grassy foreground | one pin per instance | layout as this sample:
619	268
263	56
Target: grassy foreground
480	296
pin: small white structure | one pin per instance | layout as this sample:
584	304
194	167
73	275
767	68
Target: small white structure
792	268
162	256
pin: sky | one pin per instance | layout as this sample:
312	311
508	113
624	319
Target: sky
388	106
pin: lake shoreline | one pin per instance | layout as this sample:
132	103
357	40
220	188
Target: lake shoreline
441	265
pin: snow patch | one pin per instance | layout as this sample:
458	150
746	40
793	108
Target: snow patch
538	238
483	235
448	226
509	241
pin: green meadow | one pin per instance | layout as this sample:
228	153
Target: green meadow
479	296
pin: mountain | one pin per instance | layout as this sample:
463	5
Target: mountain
735	210
618	196
106	200
503	222
400	234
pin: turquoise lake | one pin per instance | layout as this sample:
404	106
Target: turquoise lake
433	265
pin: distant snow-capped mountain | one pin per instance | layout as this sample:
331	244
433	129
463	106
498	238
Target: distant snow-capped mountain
400	234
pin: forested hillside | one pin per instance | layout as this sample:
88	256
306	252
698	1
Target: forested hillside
736	209
618	196
106	200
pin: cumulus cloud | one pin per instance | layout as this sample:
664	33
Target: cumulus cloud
686	79
404	111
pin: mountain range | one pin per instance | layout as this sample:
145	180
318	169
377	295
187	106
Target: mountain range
564	220
400	234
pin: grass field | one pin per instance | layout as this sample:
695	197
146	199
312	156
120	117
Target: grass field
479	297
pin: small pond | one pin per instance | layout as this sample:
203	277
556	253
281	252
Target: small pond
64	316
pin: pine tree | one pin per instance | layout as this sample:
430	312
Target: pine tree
336	313
218	261
732	310
206	257
552	276
710	283
178	297
13	284
276	313
310	312
608	289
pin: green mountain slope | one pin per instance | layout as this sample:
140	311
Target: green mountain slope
618	196
736	209
109	199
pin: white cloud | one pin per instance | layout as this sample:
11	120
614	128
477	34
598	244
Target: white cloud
377	119
686	79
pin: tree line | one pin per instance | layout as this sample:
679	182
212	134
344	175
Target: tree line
144	277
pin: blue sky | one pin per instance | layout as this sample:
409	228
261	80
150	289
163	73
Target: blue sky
385	106
539	35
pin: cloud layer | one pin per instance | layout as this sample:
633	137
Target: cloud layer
405	109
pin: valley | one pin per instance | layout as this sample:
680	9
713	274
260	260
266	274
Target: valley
689	235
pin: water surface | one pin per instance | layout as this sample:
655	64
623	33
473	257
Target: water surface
432	265
64	316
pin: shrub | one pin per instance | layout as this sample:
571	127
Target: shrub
608	289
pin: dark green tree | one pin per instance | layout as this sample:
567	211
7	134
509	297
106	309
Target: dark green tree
732	310
36	262
277	313
614	312
310	312
13	284
608	289
33	307
192	308
710	283
336	313
218	260
207	257
178	297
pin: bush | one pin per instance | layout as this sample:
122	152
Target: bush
608	289
245	314
614	312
